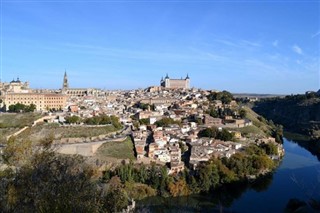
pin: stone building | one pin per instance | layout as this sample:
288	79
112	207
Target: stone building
19	92
15	86
175	83
42	101
77	91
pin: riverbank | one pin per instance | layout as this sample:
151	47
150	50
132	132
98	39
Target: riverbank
270	193
244	166
312	145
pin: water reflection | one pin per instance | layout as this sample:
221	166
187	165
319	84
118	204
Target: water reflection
270	193
220	200
312	146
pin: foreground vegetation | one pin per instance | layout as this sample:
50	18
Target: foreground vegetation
208	176
39	180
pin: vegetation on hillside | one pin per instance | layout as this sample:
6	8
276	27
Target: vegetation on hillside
118	150
12	122
261	126
95	120
208	175
19	120
225	97
22	108
297	113
39	180
213	132
165	122
39	132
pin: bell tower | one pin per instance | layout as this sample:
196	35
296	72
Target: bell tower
65	84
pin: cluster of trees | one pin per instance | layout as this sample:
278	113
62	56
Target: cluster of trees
48	182
225	97
73	119
214	132
102	120
276	131
144	121
220	113
145	106
154	176
208	175
164	122
18	107
95	120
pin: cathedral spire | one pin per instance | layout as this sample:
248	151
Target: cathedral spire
65	84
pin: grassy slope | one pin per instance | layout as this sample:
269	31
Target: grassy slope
41	131
259	128
18	120
12	122
117	150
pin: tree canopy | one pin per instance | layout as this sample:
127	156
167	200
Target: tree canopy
22	108
225	97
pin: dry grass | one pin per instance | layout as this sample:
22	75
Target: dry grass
17	120
40	132
12	122
116	150
4	132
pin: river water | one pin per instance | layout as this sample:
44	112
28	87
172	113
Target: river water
298	176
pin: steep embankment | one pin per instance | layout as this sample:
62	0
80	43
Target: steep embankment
297	113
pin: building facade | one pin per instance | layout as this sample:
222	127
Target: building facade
19	92
78	91
42	101
175	83
15	86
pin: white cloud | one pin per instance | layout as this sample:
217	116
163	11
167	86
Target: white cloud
316	34
297	49
250	43
275	43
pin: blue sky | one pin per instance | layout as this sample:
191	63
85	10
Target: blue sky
240	46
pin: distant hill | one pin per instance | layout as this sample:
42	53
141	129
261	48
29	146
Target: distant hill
256	95
297	113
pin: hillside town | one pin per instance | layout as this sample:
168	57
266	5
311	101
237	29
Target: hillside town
165	121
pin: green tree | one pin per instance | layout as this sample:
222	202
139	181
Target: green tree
213	112
164	122
31	108
225	135
179	188
144	121
73	119
225	97
211	132
242	113
270	148
116	198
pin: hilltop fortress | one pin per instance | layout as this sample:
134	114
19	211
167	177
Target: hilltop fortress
175	83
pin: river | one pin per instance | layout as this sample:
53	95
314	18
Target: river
298	176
